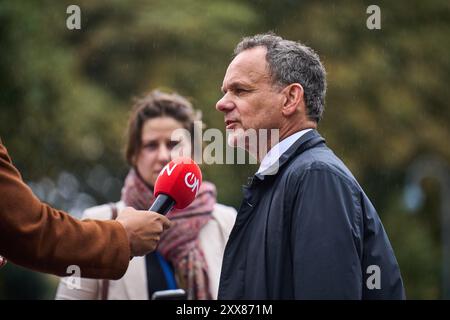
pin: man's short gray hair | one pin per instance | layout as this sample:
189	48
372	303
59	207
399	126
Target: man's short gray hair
292	62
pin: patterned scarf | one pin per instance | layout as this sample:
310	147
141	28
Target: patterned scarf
180	244
2	261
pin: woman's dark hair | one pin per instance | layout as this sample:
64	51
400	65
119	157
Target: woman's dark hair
153	105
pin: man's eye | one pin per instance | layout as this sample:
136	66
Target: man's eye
241	91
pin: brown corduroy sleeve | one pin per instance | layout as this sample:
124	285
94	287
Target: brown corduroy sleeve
36	236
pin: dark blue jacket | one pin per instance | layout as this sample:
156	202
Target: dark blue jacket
308	232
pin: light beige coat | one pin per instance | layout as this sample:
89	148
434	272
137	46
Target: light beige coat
133	285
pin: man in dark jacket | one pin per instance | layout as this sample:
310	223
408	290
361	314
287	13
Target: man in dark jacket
305	228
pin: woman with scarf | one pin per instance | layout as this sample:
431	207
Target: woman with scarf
189	255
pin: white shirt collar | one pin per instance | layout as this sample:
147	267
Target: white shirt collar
269	164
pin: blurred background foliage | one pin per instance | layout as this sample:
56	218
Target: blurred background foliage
65	96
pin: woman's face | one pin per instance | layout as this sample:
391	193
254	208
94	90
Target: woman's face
159	145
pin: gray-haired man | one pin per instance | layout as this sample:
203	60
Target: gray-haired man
305	230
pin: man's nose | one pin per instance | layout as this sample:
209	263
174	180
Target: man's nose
225	104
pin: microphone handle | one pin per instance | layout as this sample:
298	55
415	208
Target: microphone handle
162	204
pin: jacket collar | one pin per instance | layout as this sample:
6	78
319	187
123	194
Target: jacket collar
307	141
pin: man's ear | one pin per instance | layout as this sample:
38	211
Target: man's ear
293	98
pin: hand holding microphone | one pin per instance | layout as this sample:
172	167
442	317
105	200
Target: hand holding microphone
177	185
143	229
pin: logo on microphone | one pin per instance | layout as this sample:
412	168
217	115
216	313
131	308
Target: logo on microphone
192	183
180	179
168	169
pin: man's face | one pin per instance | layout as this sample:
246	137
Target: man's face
250	101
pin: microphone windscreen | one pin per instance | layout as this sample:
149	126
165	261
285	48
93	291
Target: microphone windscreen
180	179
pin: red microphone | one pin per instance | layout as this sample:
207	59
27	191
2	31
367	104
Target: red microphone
177	185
